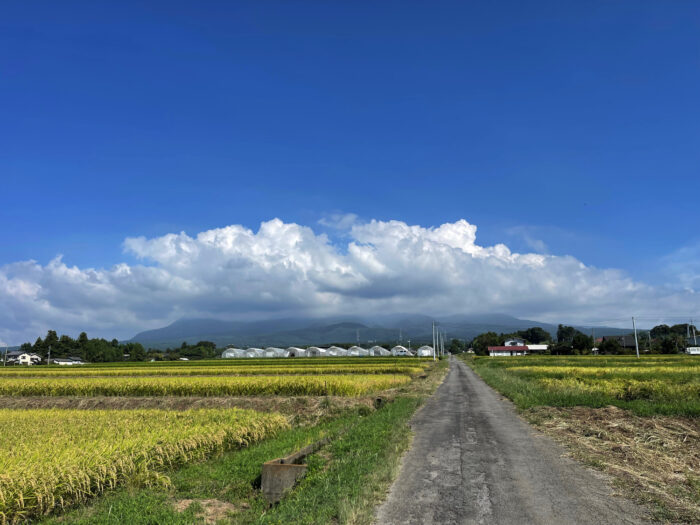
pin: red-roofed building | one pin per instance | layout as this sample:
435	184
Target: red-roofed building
500	351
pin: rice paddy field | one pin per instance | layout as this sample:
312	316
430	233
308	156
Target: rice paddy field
668	385
52	459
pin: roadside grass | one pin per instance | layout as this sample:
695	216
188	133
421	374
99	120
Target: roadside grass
345	481
634	419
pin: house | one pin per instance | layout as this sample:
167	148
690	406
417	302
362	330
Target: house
501	351
27	359
13	356
67	361
693	350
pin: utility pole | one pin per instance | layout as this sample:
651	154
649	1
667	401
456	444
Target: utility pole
649	335
4	362
434	343
636	342
409	345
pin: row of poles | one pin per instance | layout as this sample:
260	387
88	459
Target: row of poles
636	340
438	341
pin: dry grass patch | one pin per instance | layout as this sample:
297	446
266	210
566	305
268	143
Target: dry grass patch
209	510
655	460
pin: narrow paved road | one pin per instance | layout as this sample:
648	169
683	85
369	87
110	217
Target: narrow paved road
474	461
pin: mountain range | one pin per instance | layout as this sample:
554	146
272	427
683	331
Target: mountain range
396	328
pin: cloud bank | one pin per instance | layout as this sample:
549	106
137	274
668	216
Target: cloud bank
288	269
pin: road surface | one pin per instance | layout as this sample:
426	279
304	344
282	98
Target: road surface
474	461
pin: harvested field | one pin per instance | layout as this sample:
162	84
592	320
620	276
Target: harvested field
656	460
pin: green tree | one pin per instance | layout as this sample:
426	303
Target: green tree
481	342
582	343
610	346
565	334
535	335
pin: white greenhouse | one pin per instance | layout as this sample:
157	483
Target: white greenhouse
232	352
272	351
255	352
357	351
293	351
378	351
315	351
336	351
425	351
400	350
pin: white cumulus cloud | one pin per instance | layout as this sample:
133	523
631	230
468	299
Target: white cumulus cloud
288	269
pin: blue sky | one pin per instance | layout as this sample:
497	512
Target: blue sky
566	128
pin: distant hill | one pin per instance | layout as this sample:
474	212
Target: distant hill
322	331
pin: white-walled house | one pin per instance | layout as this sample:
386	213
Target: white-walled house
503	351
693	350
28	359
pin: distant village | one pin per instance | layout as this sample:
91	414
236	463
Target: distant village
663	339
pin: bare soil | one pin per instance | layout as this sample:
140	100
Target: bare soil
654	460
213	510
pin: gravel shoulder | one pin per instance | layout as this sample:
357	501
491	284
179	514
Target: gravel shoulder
474	461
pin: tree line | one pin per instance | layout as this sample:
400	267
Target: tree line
662	339
99	350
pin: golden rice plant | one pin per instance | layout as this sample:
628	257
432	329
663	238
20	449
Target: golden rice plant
194	370
50	459
290	385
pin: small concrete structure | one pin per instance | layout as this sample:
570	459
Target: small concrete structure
280	475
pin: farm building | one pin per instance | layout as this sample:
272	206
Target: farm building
379	351
67	361
537	348
232	352
500	351
357	351
693	350
425	351
293	351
